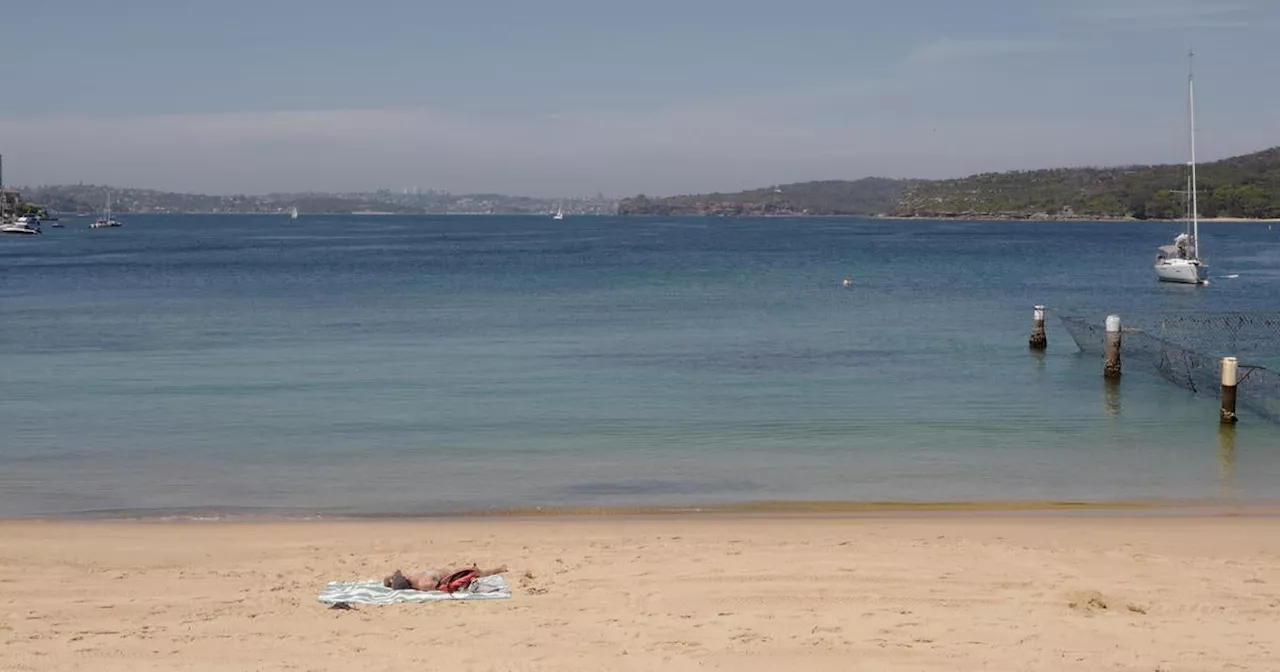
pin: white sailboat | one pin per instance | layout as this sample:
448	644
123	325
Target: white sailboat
559	212
106	221
293	212
1181	261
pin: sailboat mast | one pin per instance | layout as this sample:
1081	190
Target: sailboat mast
1195	202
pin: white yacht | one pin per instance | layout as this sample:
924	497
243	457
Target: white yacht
28	225
1181	261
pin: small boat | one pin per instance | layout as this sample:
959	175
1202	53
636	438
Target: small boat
293	212
105	221
1181	262
23	226
559	212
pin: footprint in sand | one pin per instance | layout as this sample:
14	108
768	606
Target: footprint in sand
1088	601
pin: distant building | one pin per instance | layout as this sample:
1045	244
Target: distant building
10	199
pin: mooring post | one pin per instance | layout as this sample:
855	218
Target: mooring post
1038	339
1111	362
1230	369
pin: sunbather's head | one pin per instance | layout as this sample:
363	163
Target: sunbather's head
397	581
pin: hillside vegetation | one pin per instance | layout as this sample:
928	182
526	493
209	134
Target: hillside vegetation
1245	186
88	198
870	196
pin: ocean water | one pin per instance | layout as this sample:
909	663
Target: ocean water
411	365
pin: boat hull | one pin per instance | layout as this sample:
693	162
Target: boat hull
22	226
1181	271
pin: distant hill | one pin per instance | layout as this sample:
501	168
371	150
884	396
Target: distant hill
865	197
88	198
1244	186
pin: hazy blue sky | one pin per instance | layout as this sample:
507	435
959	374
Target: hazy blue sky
570	97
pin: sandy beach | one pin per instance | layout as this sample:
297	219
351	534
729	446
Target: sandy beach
923	591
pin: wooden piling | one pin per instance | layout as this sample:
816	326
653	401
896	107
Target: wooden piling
1038	341
1111	361
1230	371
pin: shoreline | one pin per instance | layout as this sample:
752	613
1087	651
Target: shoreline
740	510
1081	220
902	218
967	218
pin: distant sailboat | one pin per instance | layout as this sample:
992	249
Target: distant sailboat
106	221
559	212
1181	262
293	212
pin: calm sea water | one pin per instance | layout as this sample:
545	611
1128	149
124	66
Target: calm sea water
389	365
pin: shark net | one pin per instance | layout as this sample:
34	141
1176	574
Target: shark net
1187	350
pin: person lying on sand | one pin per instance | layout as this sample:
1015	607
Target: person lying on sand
438	579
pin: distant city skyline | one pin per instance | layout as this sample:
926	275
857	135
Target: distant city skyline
569	98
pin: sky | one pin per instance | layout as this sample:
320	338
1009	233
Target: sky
565	98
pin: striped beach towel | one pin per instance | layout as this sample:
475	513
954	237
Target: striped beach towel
373	592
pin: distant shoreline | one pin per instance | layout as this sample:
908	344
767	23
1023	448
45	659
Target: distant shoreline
965	218
904	218
1000	218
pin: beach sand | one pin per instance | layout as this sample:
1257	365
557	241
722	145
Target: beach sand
915	591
